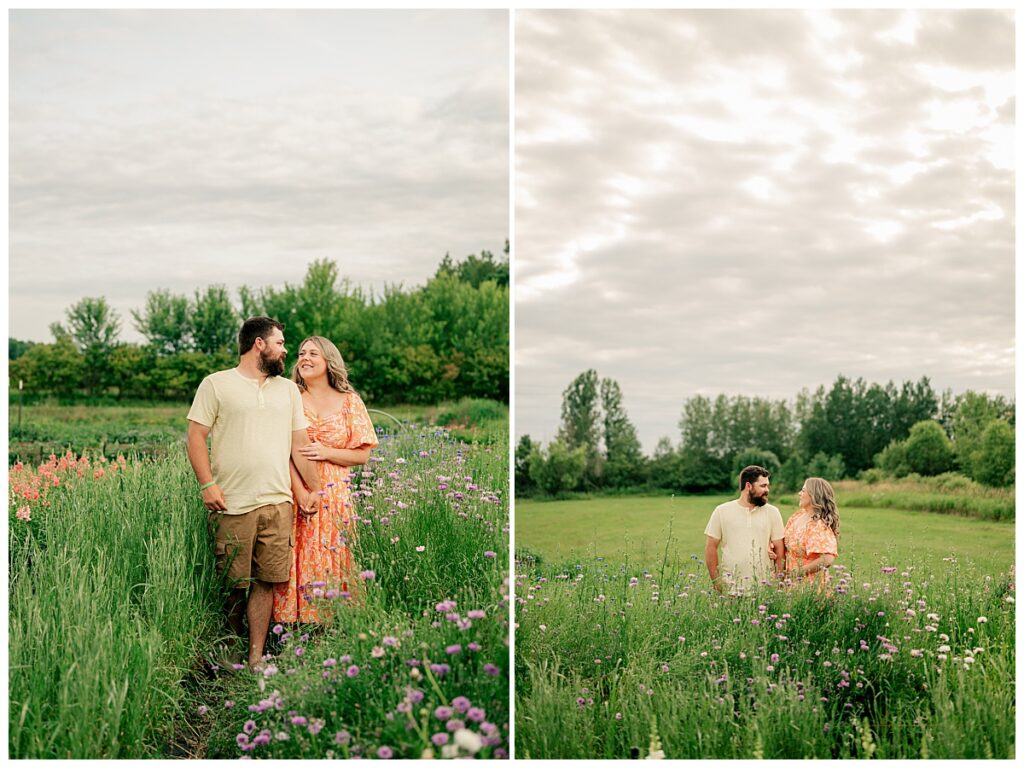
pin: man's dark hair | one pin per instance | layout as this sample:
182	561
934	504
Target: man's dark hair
256	328
751	474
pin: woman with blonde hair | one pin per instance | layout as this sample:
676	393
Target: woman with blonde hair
341	437
812	534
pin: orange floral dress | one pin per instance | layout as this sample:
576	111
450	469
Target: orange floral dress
322	557
807	539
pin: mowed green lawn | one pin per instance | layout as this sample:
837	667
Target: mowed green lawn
638	528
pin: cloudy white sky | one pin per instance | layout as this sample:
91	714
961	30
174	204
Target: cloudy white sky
177	149
749	202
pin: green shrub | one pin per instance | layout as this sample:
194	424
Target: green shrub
756	457
993	462
929	449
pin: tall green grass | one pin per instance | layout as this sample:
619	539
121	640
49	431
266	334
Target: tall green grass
114	603
950	493
111	596
609	653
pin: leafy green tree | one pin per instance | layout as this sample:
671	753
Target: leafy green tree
16	348
581	425
58	368
856	420
524	449
916	402
131	367
476	270
994	460
623	458
93	326
695	425
215	322
166	322
176	377
663	466
558	468
700	471
929	450
969	416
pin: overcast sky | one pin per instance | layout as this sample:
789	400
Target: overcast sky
178	149
748	202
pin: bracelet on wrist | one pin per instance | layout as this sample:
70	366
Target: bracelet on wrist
204	486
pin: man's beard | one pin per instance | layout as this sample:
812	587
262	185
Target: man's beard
759	501
270	366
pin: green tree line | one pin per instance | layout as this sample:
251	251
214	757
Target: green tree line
850	429
446	339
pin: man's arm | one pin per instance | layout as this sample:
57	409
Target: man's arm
307	470
199	458
779	550
711	560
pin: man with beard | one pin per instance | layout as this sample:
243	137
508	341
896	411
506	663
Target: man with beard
255	419
745	529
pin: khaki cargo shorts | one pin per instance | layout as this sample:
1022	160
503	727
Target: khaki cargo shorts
256	545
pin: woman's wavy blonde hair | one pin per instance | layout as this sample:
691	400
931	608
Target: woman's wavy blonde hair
337	373
823	500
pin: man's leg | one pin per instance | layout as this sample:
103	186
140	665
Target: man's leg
272	563
259	609
233	546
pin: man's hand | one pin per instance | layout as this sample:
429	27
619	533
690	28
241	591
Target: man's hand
213	499
717	584
308	502
771	553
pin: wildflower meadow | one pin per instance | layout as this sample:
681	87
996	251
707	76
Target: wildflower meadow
911	656
115	613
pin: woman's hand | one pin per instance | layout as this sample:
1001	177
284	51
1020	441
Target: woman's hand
316	452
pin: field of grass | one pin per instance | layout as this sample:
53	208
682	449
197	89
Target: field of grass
621	643
640	528
114	608
148	429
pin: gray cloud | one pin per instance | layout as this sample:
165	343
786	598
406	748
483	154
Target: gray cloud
750	202
180	149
